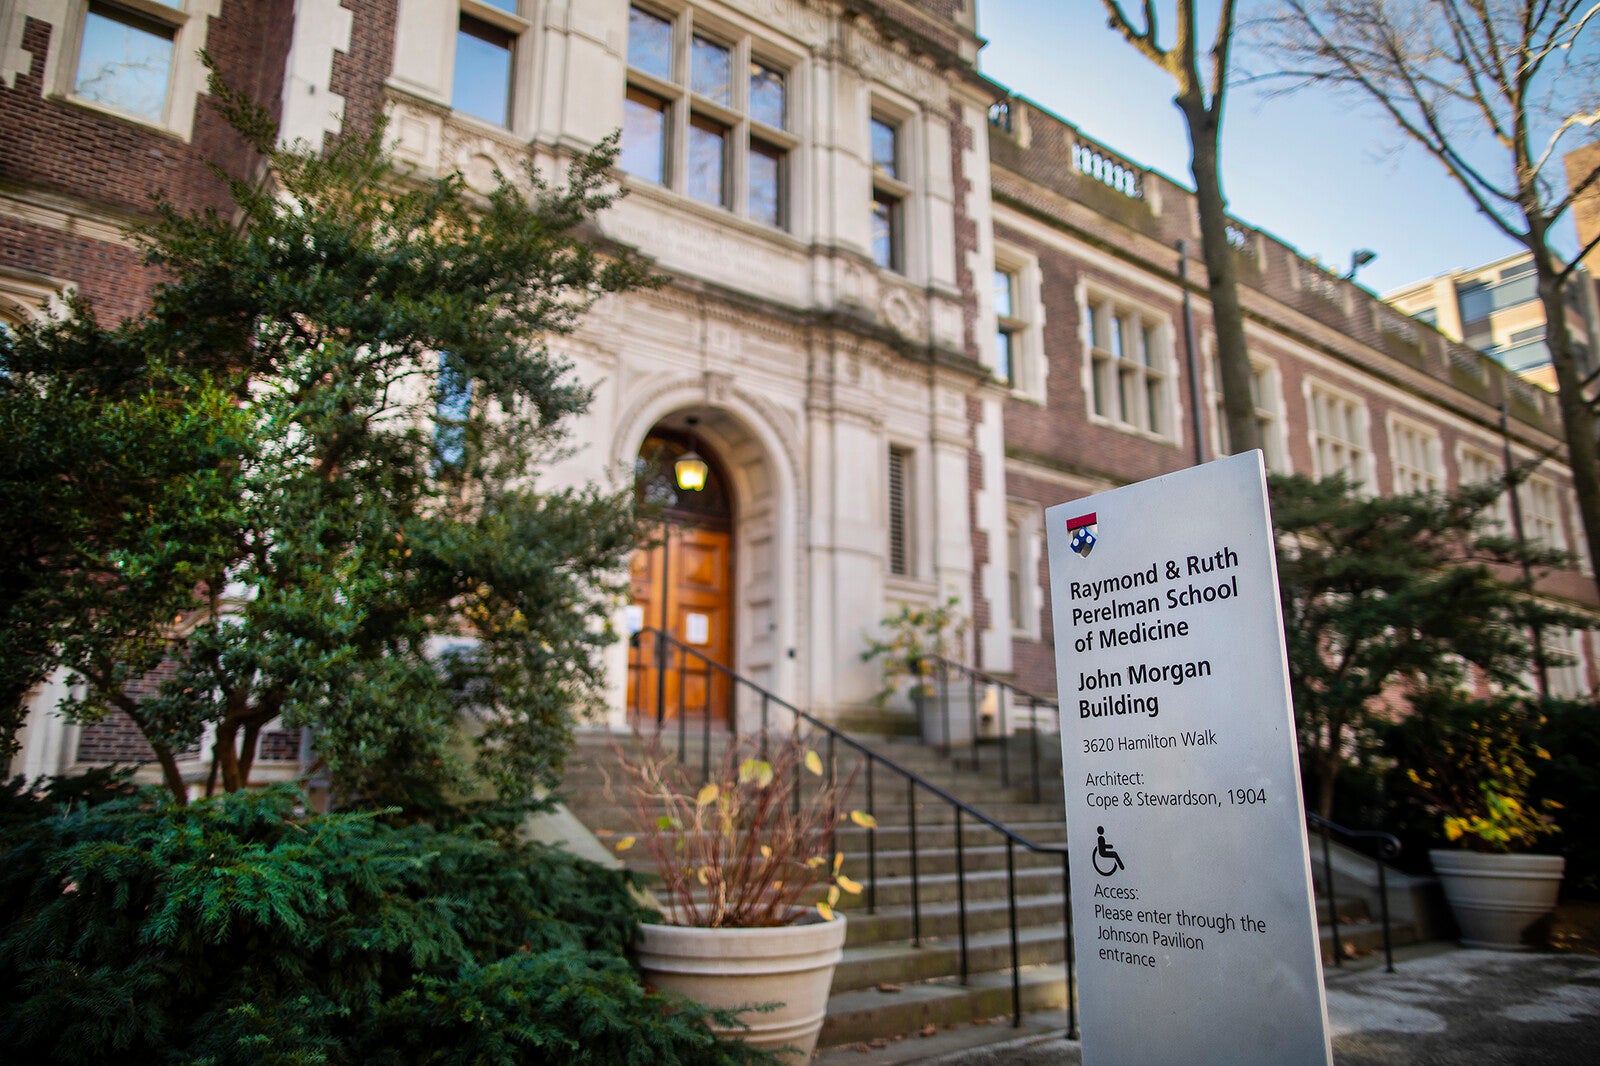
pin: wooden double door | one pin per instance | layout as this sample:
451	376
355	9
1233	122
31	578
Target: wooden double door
689	573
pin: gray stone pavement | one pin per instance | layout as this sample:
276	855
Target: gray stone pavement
1445	1006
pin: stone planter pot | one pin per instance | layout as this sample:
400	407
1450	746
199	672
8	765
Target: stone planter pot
791	964
945	723
1496	898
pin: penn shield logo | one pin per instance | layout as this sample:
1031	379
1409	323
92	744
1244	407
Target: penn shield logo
1082	529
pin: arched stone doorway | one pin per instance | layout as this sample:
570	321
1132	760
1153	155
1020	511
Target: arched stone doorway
683	584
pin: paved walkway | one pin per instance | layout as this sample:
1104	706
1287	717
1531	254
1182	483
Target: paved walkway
1445	1006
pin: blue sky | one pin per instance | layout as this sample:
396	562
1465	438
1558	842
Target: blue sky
1320	173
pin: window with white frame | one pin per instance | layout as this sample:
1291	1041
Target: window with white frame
489	36
1024	530
1339	440
1130	368
707	114
899	505
1541	513
890	191
1418	462
138	58
1008	326
1266	398
1479	467
1564	664
1019	339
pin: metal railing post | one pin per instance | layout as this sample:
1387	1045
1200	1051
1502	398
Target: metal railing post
661	679
1016	962
972	715
1066	912
872	849
1383	905
1001	702
916	892
961	895
1333	905
1033	743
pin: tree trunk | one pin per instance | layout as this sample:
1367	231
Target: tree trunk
1583	455
1329	769
225	750
169	773
247	750
1227	316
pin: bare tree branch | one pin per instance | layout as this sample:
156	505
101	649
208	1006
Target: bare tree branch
1475	83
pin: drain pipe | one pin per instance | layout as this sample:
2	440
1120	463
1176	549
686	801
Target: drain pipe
1189	350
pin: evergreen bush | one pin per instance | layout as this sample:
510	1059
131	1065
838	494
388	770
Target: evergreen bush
242	930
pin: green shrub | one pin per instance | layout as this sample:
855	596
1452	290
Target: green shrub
1470	763
1571	777
242	931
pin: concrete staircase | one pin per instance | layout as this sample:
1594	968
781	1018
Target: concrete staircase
890	980
893	982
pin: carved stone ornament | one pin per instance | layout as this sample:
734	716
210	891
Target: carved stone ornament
899	313
795	17
478	157
878	61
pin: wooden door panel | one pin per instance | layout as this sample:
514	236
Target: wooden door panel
698	566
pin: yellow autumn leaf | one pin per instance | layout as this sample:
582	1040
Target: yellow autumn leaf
703	874
838	863
814	763
833	896
852	887
766	851
757	771
863	819
707	795
815	861
826	912
625	843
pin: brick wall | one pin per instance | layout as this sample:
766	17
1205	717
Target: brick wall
358	76
74	162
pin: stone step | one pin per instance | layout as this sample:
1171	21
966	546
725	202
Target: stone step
853	841
1359	939
940	920
863	1014
979	885
973	858
988	951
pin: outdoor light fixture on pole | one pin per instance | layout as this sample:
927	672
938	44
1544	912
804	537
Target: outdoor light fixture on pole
690	470
1358	259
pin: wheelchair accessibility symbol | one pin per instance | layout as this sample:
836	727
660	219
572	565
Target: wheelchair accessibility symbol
1106	861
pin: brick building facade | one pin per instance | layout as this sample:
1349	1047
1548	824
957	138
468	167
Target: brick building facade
896	328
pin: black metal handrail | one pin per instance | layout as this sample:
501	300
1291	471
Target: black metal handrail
1388	847
660	660
1007	695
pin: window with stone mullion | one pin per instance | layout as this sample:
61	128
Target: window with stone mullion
706	116
886	137
1130	381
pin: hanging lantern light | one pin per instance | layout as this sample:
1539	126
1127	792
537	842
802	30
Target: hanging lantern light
690	471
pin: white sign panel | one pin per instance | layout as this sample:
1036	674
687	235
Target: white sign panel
1191	881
